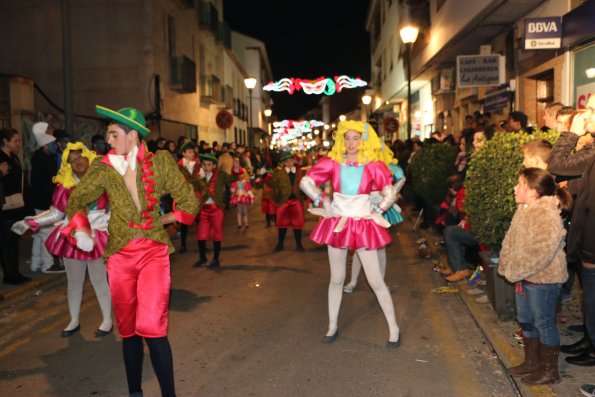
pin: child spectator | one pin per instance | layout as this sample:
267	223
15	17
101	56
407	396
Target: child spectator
537	154
532	256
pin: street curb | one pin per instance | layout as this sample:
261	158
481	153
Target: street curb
29	287
487	320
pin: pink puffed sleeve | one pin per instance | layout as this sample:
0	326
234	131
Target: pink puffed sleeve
60	197
381	175
321	171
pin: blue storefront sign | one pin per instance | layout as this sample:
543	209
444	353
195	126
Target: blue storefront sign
497	98
543	33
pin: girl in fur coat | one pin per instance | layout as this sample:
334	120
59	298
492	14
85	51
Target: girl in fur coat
533	257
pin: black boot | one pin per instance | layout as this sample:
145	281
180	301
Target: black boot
202	250
577	347
297	234
183	235
216	251
282	233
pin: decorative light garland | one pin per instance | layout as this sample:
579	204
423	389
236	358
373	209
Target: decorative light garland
321	85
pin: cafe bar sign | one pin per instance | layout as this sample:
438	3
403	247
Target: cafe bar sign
480	70
543	33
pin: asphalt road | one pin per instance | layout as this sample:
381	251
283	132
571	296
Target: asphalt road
254	328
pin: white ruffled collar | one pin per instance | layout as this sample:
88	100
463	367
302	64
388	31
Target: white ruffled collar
121	162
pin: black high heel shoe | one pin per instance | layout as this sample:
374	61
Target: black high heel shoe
70	332
394	345
99	333
331	338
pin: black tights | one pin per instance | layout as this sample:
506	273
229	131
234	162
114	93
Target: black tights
161	358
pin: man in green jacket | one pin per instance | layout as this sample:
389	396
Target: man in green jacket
138	248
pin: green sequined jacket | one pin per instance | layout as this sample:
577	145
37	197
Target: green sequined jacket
101	177
282	187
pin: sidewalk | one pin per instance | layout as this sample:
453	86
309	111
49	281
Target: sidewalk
39	280
500	333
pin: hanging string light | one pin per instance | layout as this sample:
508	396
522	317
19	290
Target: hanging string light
321	85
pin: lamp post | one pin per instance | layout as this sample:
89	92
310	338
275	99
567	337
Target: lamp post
409	35
267	114
366	100
250	83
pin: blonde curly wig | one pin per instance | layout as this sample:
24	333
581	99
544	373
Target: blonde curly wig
370	145
65	175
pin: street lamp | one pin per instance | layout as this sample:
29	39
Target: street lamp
267	114
250	83
409	35
342	117
366	100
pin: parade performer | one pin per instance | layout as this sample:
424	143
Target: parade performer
289	200
267	206
242	197
138	247
351	221
393	215
210	219
76	159
192	171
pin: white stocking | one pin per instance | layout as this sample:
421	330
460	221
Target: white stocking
371	266
98	276
382	261
356	265
239	214
75	274
337	258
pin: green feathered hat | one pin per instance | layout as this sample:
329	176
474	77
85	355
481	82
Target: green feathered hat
186	146
130	117
208	157
285	156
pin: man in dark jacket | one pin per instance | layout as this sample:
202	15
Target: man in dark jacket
581	236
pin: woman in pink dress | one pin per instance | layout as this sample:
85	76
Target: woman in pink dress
350	221
76	159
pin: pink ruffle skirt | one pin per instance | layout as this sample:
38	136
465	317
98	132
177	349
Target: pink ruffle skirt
356	234
59	245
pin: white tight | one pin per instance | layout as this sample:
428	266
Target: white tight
242	210
370	262
75	274
356	266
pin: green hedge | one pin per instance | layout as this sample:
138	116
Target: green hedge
430	169
490	182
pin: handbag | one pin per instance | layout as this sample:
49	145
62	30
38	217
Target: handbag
14	201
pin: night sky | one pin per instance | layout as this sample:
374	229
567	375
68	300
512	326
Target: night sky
305	39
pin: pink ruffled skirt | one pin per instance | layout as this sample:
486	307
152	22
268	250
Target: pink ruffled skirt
59	245
356	234
243	199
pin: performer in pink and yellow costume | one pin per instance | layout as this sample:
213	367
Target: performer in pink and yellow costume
76	159
138	247
350	221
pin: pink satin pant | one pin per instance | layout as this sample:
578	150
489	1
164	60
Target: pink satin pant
139	281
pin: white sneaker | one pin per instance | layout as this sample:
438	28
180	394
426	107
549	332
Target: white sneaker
475	291
349	288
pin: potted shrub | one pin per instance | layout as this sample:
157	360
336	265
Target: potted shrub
490	203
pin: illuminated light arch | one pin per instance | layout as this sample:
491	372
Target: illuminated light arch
321	85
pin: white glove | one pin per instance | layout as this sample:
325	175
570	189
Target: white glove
20	227
375	198
83	241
